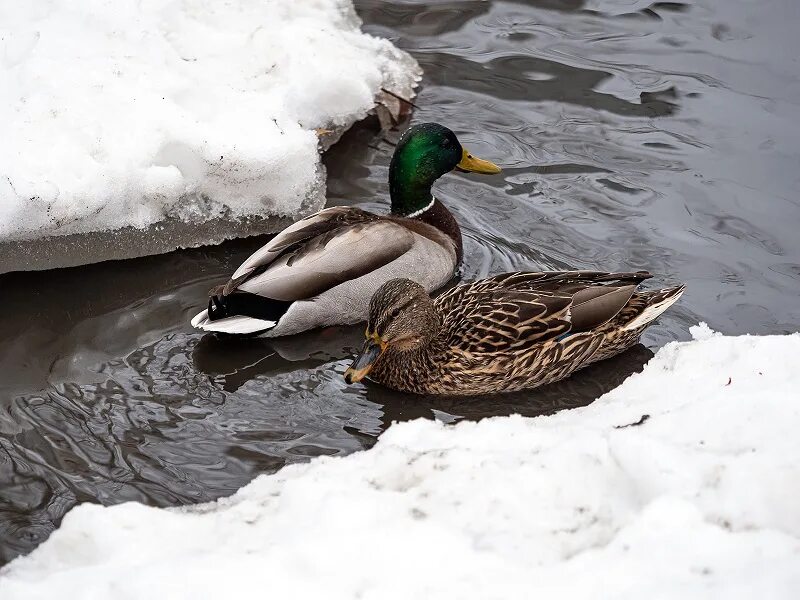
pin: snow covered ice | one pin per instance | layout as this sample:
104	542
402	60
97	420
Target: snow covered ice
130	115
696	500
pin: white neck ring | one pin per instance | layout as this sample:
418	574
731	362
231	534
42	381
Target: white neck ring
417	213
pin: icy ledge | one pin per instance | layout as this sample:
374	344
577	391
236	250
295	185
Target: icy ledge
162	124
698	500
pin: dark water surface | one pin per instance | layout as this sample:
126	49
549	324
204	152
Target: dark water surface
634	135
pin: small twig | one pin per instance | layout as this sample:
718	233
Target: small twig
400	98
635	424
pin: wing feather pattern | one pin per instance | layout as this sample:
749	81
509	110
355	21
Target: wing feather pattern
333	257
514	311
326	221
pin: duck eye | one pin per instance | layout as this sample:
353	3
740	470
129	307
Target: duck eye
395	313
445	143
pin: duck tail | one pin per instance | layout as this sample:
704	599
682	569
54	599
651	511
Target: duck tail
240	313
656	302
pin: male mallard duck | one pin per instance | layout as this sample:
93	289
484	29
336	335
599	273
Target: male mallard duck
323	269
505	333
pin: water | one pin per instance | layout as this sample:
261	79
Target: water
633	135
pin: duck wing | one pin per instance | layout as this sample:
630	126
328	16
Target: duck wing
291	239
515	310
309	267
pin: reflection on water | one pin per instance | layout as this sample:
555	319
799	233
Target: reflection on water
232	364
634	135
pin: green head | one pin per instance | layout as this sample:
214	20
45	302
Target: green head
424	153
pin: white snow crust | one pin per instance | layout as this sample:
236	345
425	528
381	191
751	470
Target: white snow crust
697	501
128	113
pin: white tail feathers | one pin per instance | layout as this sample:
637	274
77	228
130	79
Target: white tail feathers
237	324
652	312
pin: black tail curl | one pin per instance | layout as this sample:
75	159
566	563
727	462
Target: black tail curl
247	305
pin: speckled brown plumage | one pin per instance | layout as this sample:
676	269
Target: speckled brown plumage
509	332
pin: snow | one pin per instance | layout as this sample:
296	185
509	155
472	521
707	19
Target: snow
699	500
132	113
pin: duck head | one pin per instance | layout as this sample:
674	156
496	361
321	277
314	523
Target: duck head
424	153
402	318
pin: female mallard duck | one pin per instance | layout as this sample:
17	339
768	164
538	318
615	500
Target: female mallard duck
505	333
323	269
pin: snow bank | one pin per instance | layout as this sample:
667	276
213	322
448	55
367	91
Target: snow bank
130	113
696	500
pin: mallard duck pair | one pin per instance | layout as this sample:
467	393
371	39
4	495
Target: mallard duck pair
505	333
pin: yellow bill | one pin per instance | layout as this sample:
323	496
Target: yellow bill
473	164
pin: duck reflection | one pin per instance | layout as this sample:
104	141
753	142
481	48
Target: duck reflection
580	389
234	361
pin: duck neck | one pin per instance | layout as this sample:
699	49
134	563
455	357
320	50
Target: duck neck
432	212
407	369
440	217
412	198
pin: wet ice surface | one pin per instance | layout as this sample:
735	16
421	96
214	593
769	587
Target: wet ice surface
632	137
174	124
